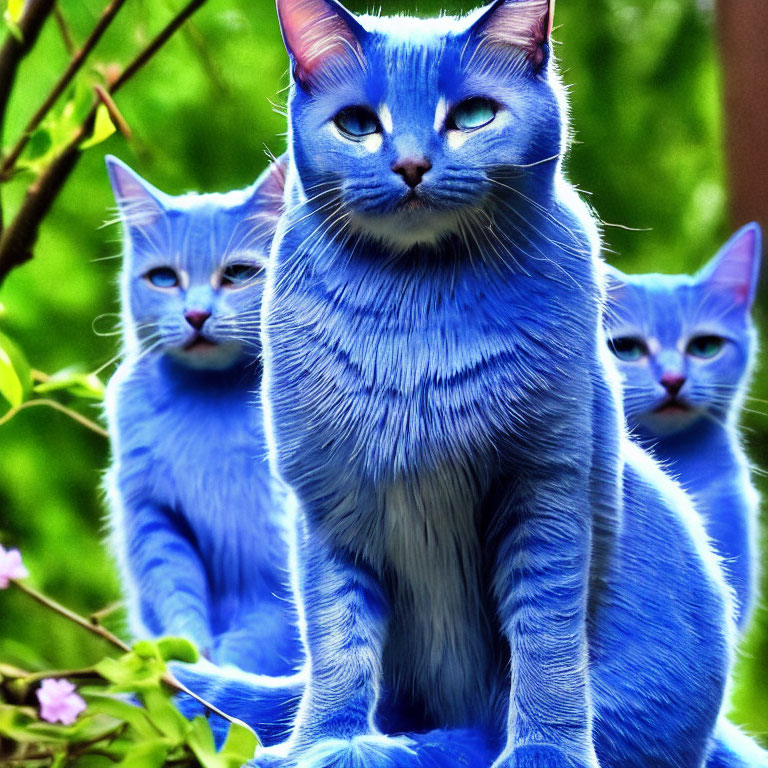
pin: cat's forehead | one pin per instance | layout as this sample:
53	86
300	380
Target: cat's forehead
668	306
404	30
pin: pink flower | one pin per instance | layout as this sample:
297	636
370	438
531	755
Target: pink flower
58	701
11	566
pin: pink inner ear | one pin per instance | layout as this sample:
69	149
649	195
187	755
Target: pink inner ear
315	33
127	187
734	269
526	25
135	201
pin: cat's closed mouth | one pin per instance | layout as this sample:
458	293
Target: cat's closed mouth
673	406
201	343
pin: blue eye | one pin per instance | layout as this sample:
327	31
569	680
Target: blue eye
705	346
357	122
234	275
628	349
472	113
162	277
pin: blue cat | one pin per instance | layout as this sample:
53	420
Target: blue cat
199	526
490	572
685	348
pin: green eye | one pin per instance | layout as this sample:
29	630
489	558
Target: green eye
628	349
357	122
705	346
162	277
471	114
234	275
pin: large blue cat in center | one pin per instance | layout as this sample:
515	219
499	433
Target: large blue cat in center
490	572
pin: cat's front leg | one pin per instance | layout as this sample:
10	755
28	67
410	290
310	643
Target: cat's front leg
345	615
541	579
169	581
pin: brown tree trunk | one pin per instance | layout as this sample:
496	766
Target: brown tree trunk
743	38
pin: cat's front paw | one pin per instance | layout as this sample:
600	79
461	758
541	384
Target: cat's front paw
371	751
543	756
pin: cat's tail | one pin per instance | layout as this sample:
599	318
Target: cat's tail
734	749
267	704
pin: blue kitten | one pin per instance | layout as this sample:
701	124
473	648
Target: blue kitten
685	348
199	526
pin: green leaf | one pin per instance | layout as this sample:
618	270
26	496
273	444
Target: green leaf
200	741
240	745
91	727
39	144
103	128
15	9
177	649
147	754
77	383
14	722
164	716
136	717
15	376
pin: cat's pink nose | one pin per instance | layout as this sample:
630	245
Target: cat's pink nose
672	382
412	169
196	317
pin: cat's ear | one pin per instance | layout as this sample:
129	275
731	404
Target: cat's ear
736	267
318	33
138	201
266	202
520	26
615	282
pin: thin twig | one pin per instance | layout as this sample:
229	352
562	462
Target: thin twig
66	34
76	62
97	616
17	240
78	417
48	602
168	678
160	40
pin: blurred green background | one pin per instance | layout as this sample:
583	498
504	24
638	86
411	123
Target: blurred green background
646	112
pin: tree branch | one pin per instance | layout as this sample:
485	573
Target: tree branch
18	239
13	50
76	62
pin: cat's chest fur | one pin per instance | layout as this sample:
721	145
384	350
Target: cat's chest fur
200	452
393	416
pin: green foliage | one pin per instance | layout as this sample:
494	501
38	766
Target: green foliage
645	99
113	730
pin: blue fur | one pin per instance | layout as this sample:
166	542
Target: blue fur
199	526
484	550
701	447
490	572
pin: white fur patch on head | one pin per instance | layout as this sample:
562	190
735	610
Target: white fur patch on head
441	112
456	139
385	116
372	142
